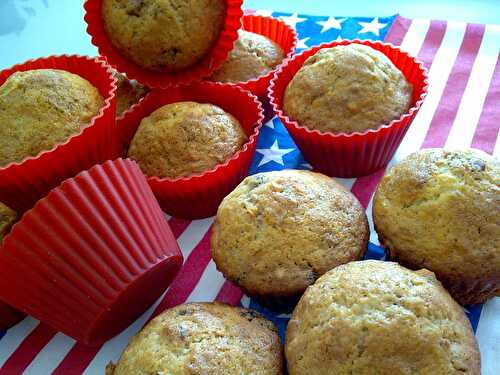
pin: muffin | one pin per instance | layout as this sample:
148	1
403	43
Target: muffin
203	338
42	108
128	93
162	35
440	210
184	138
253	56
277	232
345	89
378	318
7	219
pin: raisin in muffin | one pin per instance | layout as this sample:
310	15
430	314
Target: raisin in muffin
185	138
163	35
277	232
440	210
345	89
128	93
203	338
253	56
378	318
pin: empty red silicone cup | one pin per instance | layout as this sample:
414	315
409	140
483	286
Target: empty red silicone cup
198	196
149	78
280	33
354	154
91	256
9	316
22	184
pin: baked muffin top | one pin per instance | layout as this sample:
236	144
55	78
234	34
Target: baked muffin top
277	232
347	89
253	56
41	108
7	219
128	92
163	35
378	318
440	210
183	138
203	338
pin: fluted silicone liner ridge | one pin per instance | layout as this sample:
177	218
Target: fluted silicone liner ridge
280	33
212	60
91	256
23	183
199	195
354	154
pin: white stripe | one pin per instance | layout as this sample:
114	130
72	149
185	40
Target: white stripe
488	336
496	150
415	36
14	337
209	285
113	348
373	234
50	356
345	182
471	104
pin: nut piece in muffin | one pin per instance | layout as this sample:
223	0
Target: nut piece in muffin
128	92
42	108
378	318
440	210
7	219
184	138
203	338
163	35
277	232
253	56
345	89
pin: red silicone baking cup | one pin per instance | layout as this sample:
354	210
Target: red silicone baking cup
22	184
9	316
199	195
216	56
280	33
354	154
91	256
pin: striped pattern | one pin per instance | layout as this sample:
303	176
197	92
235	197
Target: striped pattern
462	110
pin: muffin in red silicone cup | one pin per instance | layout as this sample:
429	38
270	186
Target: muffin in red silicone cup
92	255
283	40
23	183
356	153
198	195
162	74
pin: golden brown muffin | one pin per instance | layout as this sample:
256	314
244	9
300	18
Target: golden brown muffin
202	339
253	56
41	108
128	92
347	89
163	35
277	232
183	138
7	219
440	210
378	318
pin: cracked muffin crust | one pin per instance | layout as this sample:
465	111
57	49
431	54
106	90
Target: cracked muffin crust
345	89
42	108
128	92
277	232
138	30
7	219
252	56
440	210
203	338
184	138
378	318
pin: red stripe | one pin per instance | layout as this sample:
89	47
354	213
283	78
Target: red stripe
447	109
29	349
398	30
229	293
489	122
178	226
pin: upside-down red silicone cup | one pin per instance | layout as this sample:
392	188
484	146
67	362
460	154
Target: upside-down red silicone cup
92	255
9	316
22	184
354	154
280	33
199	195
212	60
